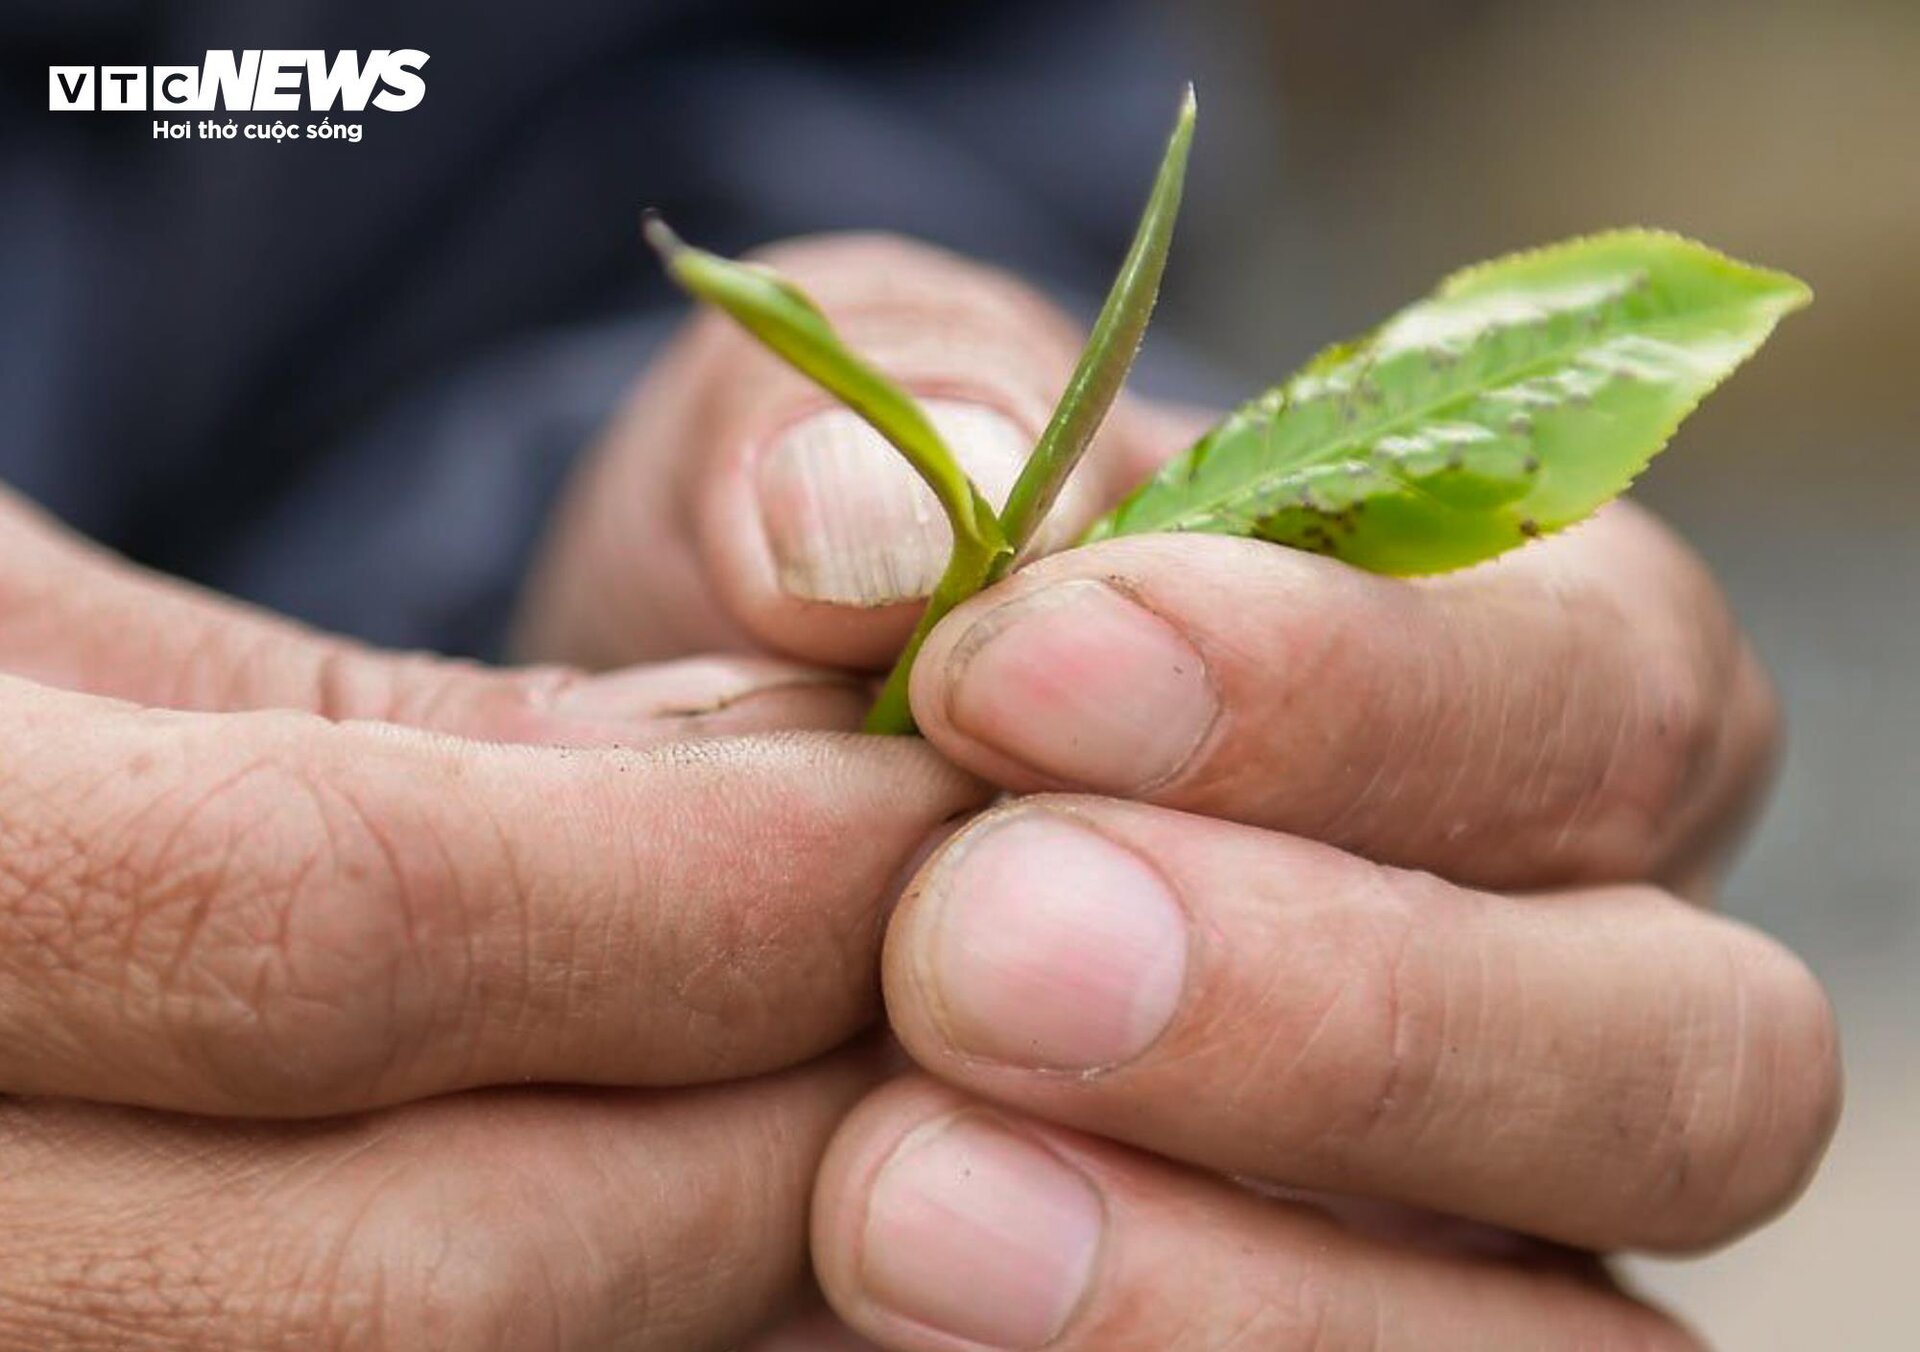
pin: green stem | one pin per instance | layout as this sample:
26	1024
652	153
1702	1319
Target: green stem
1094	385
780	315
790	325
967	571
984	547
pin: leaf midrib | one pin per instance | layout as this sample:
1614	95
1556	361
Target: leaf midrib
1331	453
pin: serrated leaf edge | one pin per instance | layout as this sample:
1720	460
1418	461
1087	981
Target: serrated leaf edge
1795	294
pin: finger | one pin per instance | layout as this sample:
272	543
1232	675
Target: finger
1582	711
942	1225
732	505
815	1328
1607	1069
556	1220
267	913
73	616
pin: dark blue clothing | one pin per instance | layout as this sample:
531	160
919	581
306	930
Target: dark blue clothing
345	380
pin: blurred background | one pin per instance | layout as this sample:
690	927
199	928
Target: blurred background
344	380
1356	152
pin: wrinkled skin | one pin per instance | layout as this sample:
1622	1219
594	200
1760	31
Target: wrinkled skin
1380	900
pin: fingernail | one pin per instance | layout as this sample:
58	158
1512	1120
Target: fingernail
1044	944
1081	682
850	523
980	1234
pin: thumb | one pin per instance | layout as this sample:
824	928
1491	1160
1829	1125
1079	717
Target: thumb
732	504
75	616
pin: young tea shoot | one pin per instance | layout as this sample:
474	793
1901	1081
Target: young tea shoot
1516	400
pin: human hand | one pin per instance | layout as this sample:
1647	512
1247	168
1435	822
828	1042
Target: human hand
1598	1068
1548	1041
277	974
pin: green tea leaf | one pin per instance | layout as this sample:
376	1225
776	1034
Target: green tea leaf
782	317
1082	407
1110	349
1517	399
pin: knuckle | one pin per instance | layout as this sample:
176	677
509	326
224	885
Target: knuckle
850	251
469	1275
420	691
1793	1096
1682	719
290	924
1659	769
1292	1306
1306	1321
871	276
1754	737
1703	728
222	900
494	1255
279	968
1359	799
348	685
1756	1095
1300	1314
945	325
1339	1053
1759	721
213	663
728	969
877	262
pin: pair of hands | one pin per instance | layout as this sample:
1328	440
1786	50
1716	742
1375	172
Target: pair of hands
1367	895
